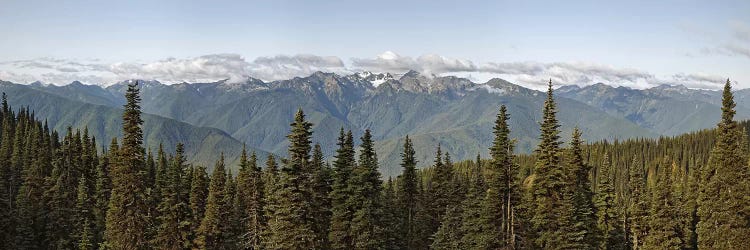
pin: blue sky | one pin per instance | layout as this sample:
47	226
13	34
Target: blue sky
629	43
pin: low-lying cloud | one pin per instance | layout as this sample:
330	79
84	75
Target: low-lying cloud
236	68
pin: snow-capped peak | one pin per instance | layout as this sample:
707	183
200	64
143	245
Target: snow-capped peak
375	79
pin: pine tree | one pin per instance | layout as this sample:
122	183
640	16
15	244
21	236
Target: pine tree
639	205
84	217
366	229
583	215
663	215
290	227
390	220
102	190
724	214
6	177
270	188
548	182
198	196
341	209
173	229
250	192
30	205
442	190
61	196
408	196
127	221
211	234
503	194
231	226
472	227
607	216
320	197
449	234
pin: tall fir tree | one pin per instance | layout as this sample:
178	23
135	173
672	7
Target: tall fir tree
341	209
366	228
211	233
250	192
174	219
606	210
390	219
583	224
270	188
408	196
722	203
546	191
127	218
198	196
84	217
663	214
639	204
473	227
290	228
320	200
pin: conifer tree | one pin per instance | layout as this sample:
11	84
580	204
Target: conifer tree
30	205
472	227
663	215
198	196
84	217
320	197
442	190
408	196
173	229
583	226
102	190
390	220
548	183
366	228
61	196
211	234
639	205
289	227
341	210
127	221
724	213
610	234
449	233
250	192
270	187
231	226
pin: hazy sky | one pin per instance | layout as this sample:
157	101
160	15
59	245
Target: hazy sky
631	43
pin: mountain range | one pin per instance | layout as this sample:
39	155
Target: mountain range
451	111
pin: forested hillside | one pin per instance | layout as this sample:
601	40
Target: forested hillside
683	192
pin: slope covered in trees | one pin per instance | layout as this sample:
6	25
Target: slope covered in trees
65	192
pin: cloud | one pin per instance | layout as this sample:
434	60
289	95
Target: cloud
285	67
535	73
699	80
198	69
430	64
236	68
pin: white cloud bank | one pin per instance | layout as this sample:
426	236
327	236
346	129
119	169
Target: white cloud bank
236	68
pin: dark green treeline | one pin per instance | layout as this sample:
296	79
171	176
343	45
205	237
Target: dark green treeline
683	192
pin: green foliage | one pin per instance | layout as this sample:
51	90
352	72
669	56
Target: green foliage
289	227
127	218
722	201
549	180
251	196
212	233
366	228
341	209
581	214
